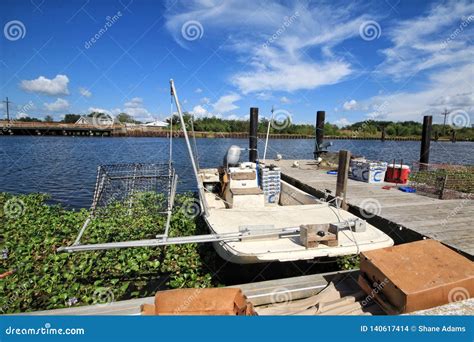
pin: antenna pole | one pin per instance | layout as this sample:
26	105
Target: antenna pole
188	145
266	140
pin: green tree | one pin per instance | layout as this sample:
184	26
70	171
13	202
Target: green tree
48	118
126	118
70	118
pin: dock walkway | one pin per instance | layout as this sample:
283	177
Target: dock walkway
404	216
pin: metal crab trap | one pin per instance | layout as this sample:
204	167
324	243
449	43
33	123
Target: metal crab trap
137	198
134	198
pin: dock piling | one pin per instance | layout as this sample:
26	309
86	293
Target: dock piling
342	175
425	142
320	118
253	134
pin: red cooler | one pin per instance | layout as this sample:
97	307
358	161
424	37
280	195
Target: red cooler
397	173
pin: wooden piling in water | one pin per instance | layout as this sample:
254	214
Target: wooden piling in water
425	142
320	118
253	134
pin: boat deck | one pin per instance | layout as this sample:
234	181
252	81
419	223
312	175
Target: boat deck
404	216
229	220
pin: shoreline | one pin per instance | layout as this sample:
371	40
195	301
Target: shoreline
63	129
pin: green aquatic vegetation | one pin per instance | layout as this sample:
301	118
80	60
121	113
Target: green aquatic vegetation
42	278
348	262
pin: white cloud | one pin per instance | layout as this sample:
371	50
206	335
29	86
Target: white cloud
446	89
134	103
285	100
226	103
85	92
263	95
56	106
439	38
277	49
235	117
342	122
350	105
200	111
43	85
198	90
134	108
205	100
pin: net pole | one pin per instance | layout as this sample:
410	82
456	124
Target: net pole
190	151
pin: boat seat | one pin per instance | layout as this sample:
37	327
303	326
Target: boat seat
246	191
243	175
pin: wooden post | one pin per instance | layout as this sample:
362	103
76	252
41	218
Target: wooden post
342	174
253	129
382	138
443	187
425	142
320	118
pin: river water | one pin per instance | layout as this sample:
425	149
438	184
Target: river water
66	167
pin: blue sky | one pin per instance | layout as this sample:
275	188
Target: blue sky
393	60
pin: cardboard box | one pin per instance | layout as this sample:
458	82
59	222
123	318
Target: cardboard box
415	276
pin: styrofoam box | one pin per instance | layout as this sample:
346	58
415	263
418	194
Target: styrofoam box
368	171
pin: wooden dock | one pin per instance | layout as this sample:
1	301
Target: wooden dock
271	297
404	216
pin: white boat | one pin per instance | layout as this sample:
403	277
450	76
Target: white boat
270	225
252	214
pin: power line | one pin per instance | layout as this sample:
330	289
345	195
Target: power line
445	113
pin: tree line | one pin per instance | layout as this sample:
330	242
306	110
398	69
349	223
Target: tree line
368	128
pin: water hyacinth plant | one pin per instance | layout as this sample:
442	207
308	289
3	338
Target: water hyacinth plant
34	276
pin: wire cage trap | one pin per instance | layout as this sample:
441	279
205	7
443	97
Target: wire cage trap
135	196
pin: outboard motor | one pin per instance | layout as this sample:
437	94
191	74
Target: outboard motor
232	156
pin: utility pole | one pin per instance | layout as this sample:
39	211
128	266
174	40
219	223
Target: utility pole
8	109
445	113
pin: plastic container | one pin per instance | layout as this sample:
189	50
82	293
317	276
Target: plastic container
397	173
367	171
